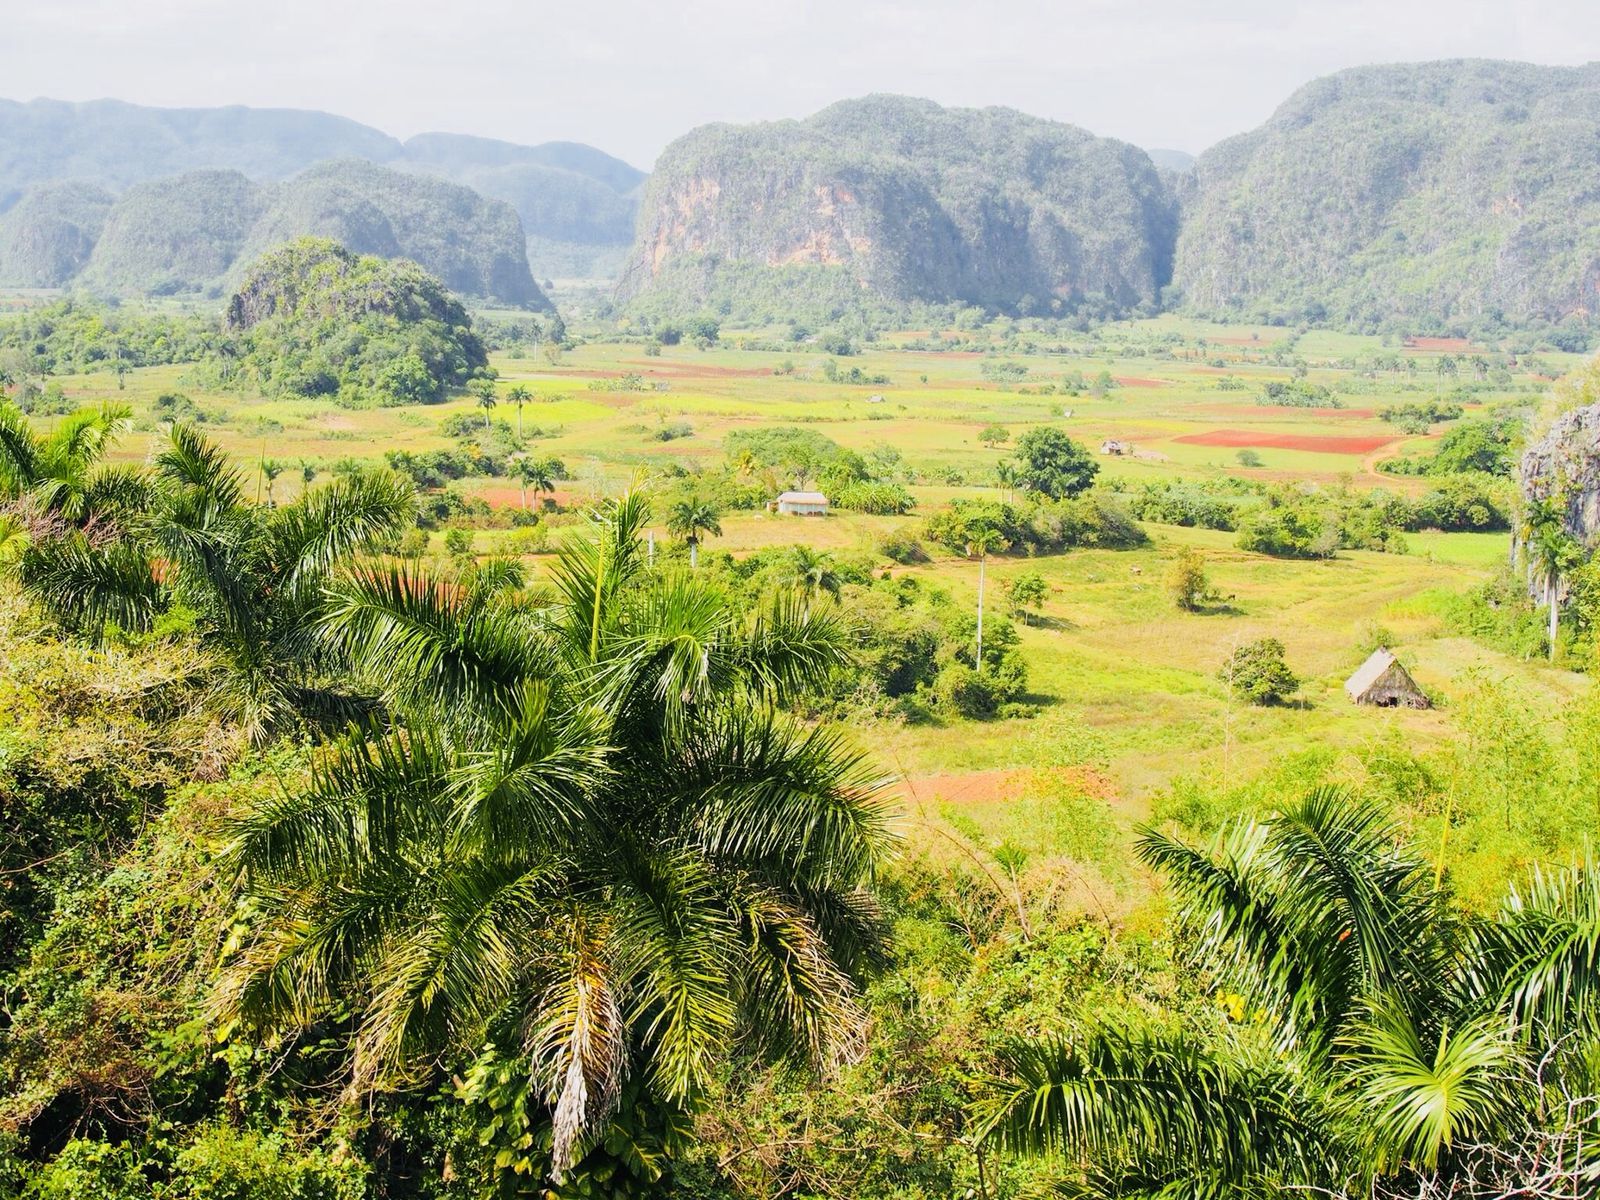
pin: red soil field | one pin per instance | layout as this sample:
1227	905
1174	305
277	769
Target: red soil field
1135	381
1287	441
509	495
697	370
1444	345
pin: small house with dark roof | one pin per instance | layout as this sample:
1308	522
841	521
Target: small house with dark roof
1383	682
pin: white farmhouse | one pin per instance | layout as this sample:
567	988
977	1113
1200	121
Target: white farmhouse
803	504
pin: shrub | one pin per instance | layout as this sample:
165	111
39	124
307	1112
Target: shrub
1288	532
1026	592
1258	673
902	547
459	543
879	499
1186	580
966	692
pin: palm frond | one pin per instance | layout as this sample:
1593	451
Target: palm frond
1415	1096
674	945
577	1037
86	586
338	519
412	637
1159	1108
1540	957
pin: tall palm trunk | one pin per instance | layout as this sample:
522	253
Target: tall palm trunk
694	553
1555	611
983	560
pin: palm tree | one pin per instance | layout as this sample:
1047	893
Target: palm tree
587	836
1007	476
519	396
254	576
814	572
62	476
271	468
534	473
1381	1031
983	542
484	391
690	518
1552	553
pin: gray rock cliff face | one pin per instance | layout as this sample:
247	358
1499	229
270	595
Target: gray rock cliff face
1564	464
914	202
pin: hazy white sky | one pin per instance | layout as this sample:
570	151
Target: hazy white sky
630	75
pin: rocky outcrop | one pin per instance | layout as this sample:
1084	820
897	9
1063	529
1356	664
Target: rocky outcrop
1564	466
907	201
1438	194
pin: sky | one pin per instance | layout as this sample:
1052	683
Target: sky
628	76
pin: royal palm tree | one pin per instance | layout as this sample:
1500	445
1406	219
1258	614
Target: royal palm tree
252	575
534	473
814	572
1381	1032
982	543
484	391
271	468
519	396
586	834
691	519
1552	554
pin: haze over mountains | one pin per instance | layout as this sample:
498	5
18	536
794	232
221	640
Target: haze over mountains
1430	196
574	202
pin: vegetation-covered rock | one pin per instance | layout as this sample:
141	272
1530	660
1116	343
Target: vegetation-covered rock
195	233
476	246
175	235
47	237
892	199
318	320
1443	194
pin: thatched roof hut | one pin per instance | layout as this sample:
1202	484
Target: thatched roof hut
1382	681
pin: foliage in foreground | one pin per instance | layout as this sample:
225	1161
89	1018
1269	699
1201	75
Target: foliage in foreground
1384	1040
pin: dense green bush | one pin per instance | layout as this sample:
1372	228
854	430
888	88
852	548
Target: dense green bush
1258	673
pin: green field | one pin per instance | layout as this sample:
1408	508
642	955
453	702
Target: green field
1113	667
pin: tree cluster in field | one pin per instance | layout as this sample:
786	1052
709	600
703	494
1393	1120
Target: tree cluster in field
1298	393
1487	446
1308	521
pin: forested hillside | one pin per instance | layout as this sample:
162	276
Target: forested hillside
576	202
894	199
194	233
1444	195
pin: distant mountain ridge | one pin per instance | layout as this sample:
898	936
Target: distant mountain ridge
1428	197
194	233
575	201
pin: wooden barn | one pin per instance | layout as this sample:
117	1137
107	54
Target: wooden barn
1383	682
